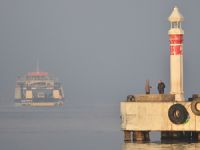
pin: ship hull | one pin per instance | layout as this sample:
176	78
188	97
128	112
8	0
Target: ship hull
50	102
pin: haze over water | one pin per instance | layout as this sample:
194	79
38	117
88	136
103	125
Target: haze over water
72	127
101	51
80	127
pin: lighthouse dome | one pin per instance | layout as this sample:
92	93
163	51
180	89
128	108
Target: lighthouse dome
175	15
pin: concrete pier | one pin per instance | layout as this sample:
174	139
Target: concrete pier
136	136
139	135
175	120
173	135
127	136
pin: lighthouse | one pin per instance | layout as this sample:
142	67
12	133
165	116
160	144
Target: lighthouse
176	54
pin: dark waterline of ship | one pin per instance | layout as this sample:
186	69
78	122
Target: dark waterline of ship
73	127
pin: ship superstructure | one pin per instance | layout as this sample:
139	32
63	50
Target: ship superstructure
38	89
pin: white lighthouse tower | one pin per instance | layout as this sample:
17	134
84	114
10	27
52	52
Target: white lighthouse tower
176	54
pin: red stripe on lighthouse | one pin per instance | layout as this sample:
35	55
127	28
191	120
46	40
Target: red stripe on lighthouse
176	38
176	41
176	50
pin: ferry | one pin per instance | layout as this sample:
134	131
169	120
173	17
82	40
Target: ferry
38	89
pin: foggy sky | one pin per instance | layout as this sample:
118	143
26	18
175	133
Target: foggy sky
101	50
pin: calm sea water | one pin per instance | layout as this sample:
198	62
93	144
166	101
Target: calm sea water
73	127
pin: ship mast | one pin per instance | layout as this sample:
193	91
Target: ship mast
37	66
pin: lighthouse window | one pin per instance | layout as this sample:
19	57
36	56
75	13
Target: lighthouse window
176	25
